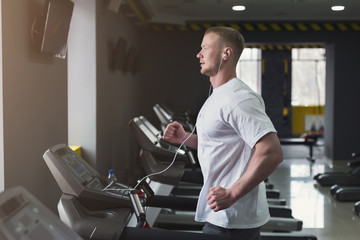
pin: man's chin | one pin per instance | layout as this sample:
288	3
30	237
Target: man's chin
204	72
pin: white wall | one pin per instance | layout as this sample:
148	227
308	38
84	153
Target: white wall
82	79
101	100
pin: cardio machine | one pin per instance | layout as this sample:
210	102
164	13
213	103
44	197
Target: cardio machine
350	178
156	154
91	211
357	208
150	140
166	116
348	193
22	216
96	213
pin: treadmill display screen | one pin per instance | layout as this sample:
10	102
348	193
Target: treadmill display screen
10	206
82	173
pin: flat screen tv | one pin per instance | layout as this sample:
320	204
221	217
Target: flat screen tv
52	28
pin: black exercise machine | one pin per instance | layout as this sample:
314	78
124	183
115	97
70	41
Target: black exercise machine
96	213
149	138
166	116
156	155
345	186
345	193
357	208
355	163
350	178
145	132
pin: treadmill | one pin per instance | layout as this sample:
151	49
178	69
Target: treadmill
149	138
166	116
156	154
146	133
103	214
22	217
357	208
155	157
345	187
97	213
350	178
345	193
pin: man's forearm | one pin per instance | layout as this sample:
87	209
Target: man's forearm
191	141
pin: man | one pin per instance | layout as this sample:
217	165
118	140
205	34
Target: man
238	147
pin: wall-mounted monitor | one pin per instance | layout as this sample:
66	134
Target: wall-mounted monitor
50	31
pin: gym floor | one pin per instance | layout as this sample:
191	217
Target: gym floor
322	215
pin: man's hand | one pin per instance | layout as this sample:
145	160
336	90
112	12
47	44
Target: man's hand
174	133
220	198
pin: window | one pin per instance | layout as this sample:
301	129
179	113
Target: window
308	77
248	68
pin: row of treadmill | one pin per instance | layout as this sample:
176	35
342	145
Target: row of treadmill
344	186
160	206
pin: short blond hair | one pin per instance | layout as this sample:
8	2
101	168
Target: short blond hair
229	37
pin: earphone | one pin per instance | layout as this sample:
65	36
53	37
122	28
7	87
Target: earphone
225	54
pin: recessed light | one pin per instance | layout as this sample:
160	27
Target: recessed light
238	8
337	8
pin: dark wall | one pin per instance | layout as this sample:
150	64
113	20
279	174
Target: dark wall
170	73
346	111
117	94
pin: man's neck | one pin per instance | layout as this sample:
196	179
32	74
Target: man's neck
221	78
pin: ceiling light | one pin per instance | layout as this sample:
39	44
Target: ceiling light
238	8
337	8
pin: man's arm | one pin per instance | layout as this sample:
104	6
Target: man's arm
268	155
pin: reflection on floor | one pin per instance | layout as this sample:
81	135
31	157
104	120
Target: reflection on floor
321	214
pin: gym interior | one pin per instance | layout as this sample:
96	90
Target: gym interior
108	94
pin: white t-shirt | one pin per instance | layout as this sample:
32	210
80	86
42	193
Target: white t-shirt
229	124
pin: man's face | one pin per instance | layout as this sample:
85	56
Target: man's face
209	55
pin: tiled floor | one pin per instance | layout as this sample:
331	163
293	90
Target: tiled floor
321	214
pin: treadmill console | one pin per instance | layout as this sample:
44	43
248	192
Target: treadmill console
84	174
22	217
163	116
160	142
77	178
150	138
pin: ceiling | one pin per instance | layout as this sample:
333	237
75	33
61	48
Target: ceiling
181	12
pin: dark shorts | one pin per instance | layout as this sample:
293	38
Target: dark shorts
246	234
